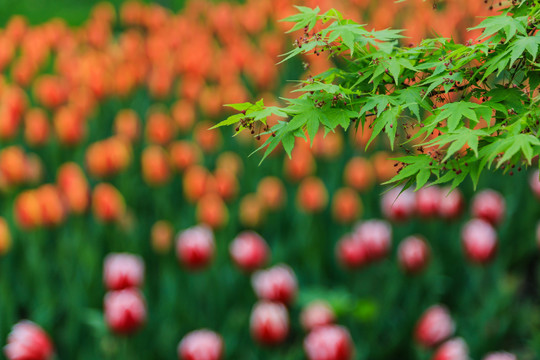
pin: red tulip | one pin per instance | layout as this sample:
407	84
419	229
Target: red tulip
451	203
413	254
125	310
330	342
275	284
434	326
312	195
195	246
249	251
201	345
351	252
490	206
534	182
502	355
454	349
269	322
428	200
316	314
122	270
376	236
28	341
398	207
479	240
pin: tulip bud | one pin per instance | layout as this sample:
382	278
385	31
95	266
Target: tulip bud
212	211
428	200
359	174
249	251
201	345
502	355
398	207
28	341
451	203
454	349
376	236
161	236
275	284
489	205
108	203
312	195
346	205
316	314
125	310
351	252
479	240
413	254
5	237
272	192
269	322
434	326
331	342
122	270
195	247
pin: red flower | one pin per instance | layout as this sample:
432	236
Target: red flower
451	204
125	310
121	270
201	345
330	342
428	200
490	206
269	322
434	326
315	314
454	349
275	284
479	240
249	250
502	355
413	254
351	252
195	246
28	341
398	207
376	235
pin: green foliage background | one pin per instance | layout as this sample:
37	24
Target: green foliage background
54	276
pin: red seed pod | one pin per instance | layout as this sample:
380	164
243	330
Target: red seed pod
413	254
125	310
28	341
501	355
398	207
490	206
428	201
201	345
331	342
434	326
479	240
451	205
249	251
269	322
376	235
316	314
123	270
275	284
351	252
195	247
454	349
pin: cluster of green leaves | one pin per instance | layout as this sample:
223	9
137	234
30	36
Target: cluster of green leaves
454	109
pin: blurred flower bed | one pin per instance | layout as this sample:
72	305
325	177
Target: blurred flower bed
129	230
